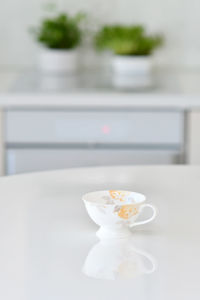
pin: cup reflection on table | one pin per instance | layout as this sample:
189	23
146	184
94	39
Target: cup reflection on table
118	258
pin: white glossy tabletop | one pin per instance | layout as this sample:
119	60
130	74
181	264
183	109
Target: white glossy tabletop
46	237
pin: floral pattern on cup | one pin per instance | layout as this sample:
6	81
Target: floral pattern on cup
119	195
127	211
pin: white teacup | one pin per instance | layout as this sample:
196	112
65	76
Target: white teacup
116	211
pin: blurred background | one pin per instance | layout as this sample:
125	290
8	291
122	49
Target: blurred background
86	83
178	20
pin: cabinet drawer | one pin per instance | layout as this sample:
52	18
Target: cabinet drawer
94	127
29	160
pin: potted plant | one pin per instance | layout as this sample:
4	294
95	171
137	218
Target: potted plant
132	48
60	36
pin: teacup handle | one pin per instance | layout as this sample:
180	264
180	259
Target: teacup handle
154	209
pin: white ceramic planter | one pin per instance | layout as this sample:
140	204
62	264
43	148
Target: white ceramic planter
132	71
58	61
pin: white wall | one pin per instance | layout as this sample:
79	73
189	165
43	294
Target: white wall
178	19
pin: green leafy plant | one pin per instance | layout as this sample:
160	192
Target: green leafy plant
60	32
127	40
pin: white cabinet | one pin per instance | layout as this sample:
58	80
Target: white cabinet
42	140
30	160
193	137
129	127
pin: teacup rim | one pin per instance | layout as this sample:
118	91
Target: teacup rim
112	204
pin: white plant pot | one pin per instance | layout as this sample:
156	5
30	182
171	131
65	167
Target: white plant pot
132	71
58	61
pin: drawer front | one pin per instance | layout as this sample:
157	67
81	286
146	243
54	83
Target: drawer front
94	127
29	160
